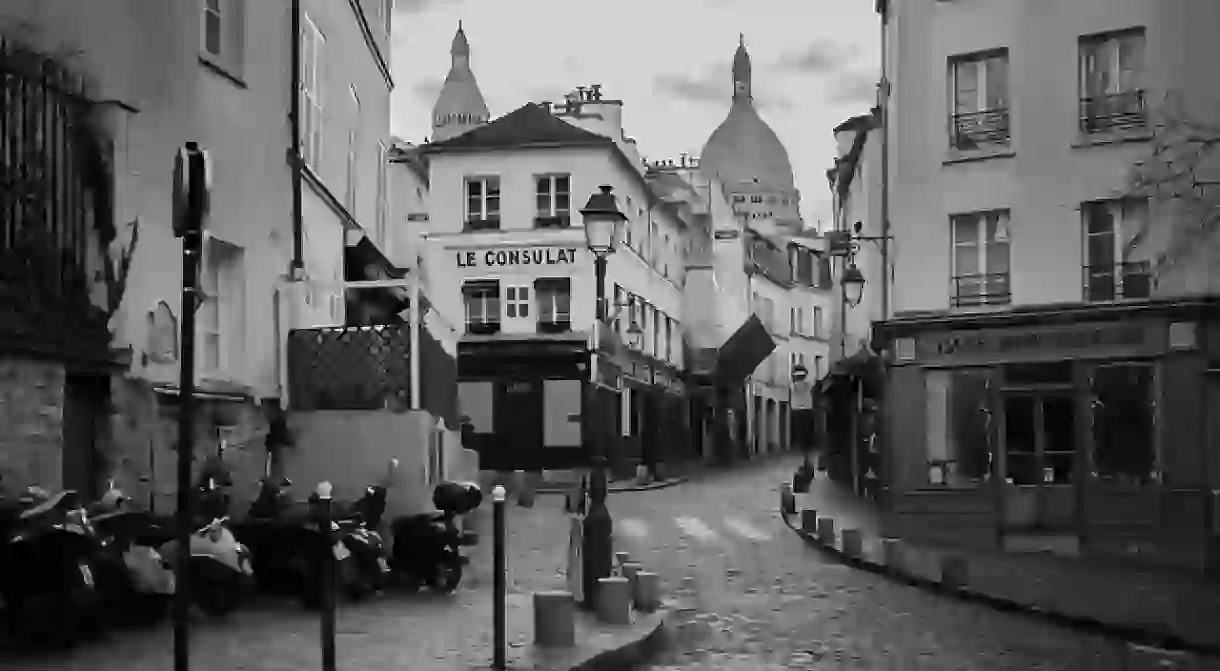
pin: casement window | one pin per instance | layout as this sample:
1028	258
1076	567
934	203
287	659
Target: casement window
482	302
223	35
482	202
1111	92
554	296
979	100
222	312
312	48
1111	229
553	201
517	302
980	273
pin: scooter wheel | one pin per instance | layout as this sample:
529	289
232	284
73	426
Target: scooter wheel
446	577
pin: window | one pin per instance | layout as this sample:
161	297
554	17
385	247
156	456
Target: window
817	367
554	304
353	153
1111	229
482	302
517	302
660	332
980	100
223	35
436	456
387	14
383	197
959	427
1111	97
553	201
980	259
222	311
818	331
670	331
482	202
616	308
312	46
1124	422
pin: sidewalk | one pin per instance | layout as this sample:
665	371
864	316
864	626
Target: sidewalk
1163	609
398	631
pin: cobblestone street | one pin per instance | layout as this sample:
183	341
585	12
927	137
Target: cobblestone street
755	597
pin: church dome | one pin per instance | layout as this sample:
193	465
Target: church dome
743	147
460	106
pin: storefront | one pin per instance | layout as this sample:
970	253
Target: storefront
1073	428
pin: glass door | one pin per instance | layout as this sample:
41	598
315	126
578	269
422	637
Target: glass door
1040	441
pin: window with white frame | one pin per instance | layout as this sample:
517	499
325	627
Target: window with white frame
554	303
353	153
1111	230
482	303
980	116
1111	92
383	196
223	309
517	302
483	202
980	274
311	79
817	328
553	198
616	309
223	35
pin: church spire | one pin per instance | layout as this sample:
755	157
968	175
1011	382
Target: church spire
460	106
741	72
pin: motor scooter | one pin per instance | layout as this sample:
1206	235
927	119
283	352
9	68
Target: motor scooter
136	580
427	546
221	567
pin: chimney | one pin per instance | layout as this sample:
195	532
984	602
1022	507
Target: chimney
596	91
581	94
546	105
683	159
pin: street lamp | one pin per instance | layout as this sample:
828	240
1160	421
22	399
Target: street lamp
602	219
853	285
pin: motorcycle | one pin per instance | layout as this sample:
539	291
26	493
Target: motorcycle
48	570
358	532
221	567
427	547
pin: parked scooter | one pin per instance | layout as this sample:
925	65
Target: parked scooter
48	570
427	547
358	529
221	567
137	582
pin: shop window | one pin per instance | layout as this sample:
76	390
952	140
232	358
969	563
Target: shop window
1124	419
959	427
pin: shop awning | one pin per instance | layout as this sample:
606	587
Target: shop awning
743	351
864	366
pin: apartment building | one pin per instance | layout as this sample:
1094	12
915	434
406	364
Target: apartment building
1051	365
813	301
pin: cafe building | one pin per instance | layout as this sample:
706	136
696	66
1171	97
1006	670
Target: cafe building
1069	428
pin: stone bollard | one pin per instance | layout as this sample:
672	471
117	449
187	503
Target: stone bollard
528	487
641	474
953	572
853	545
787	500
826	531
647	592
630	570
621	558
614	600
891	555
809	521
554	619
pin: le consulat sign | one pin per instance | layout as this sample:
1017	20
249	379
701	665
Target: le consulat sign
521	256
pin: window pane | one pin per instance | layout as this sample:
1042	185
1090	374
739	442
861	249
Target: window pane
212	32
562	203
563	184
1123	440
511	310
1099	218
965	261
997	258
966	87
969	426
563	301
1101	285
1130	61
511	293
1020	440
543	204
965	230
544	186
493	186
493	206
997	82
493	307
474	188
1100	250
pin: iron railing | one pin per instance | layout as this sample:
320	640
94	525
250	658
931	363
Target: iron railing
974	130
350	367
1117	281
981	289
1113	112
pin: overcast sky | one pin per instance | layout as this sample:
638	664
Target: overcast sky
815	64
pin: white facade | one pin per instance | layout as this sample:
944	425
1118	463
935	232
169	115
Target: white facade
1032	150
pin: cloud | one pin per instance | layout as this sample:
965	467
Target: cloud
418	6
713	86
817	57
853	88
427	89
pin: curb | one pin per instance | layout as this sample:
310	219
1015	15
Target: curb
632	654
1136	636
623	488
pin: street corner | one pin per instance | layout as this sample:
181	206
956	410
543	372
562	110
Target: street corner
602	647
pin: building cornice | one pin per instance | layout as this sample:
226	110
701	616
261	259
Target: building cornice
367	31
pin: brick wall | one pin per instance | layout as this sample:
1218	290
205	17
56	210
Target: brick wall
31	423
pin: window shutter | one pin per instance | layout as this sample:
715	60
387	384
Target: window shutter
234	17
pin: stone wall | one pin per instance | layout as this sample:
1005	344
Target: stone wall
31	423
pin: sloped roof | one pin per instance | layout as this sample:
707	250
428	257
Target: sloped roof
526	126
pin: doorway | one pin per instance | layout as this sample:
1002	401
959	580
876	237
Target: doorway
1040	460
517	414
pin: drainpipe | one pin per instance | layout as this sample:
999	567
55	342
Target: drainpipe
884	95
413	327
294	152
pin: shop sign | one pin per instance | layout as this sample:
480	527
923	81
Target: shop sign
520	256
1035	341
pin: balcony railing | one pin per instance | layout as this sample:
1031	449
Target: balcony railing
485	224
561	221
482	326
350	367
981	289
1117	281
556	325
1113	112
985	128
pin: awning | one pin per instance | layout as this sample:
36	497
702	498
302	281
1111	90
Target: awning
362	262
864	366
749	346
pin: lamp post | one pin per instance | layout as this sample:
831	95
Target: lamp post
602	219
853	291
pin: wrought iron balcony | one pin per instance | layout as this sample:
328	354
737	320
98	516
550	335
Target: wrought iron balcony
562	221
1117	281
557	325
975	130
978	289
486	224
482	327
1113	112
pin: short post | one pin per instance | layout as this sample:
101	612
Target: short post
787	499
499	582
621	558
853	545
891	555
826	531
647	592
953	572
630	570
809	521
328	578
614	600
554	619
